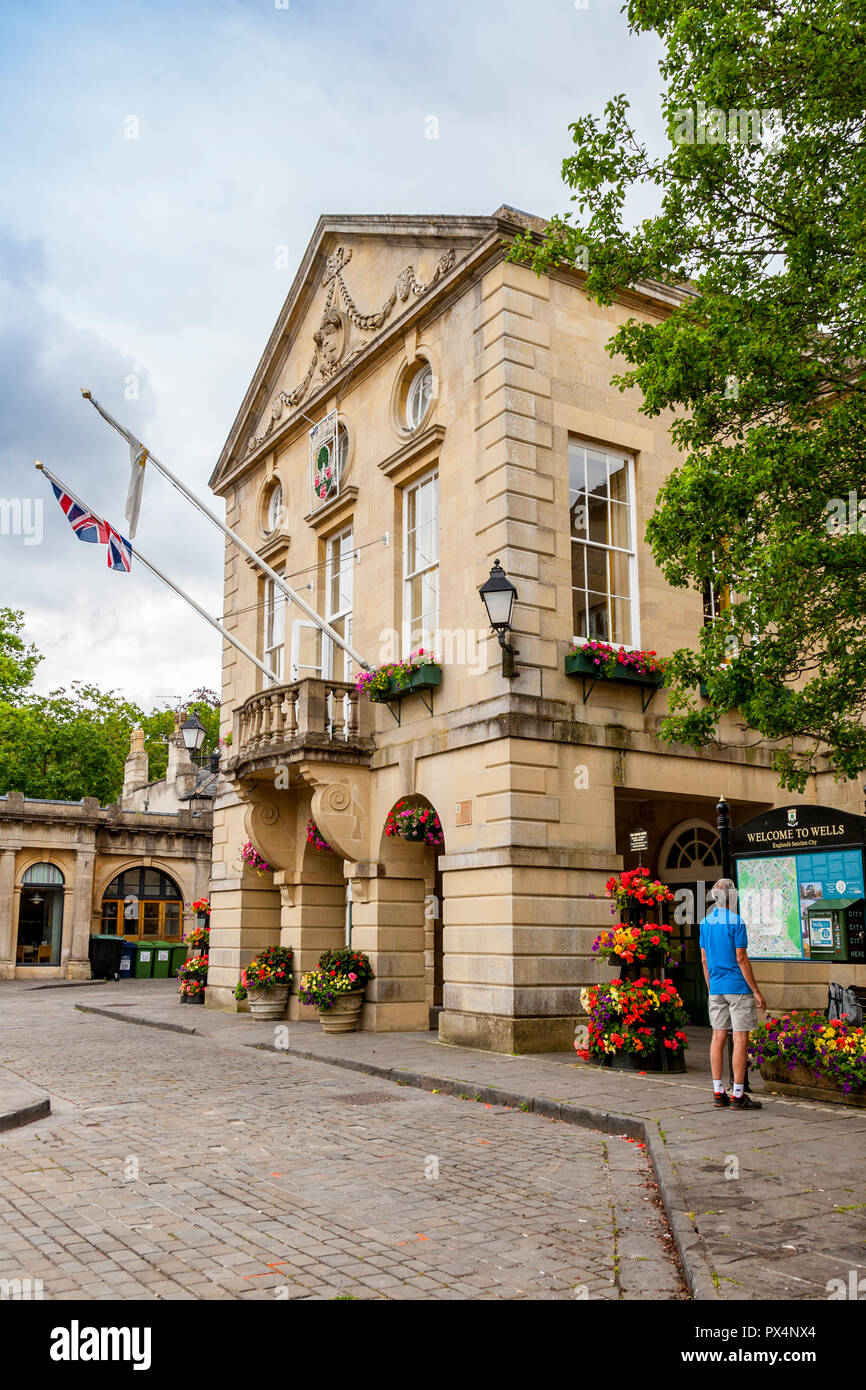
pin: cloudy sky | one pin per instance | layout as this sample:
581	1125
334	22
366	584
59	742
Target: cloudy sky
146	265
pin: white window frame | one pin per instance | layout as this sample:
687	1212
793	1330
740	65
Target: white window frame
331	652
297	627
412	393
631	552
274	627
408	621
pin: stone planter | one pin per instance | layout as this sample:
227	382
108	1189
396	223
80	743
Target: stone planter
343	1015
801	1080
268	1003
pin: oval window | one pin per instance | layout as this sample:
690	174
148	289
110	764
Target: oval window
418	396
275	507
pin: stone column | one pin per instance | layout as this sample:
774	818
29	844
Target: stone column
8	910
75	942
388	923
244	918
313	921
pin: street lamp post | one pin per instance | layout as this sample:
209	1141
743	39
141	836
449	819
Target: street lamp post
499	595
193	732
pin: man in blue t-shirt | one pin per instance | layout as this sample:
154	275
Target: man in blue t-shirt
732	989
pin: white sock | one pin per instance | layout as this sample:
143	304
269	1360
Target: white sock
739	1087
718	1087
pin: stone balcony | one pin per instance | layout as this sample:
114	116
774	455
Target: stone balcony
319	719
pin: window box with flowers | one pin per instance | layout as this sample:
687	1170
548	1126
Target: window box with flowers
416	822
806	1054
193	979
336	988
266	981
594	661
419	674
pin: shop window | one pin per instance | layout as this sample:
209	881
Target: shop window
143	902
40	916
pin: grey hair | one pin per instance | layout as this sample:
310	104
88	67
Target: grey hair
724	892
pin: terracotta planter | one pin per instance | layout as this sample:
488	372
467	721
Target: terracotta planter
343	1015
268	1003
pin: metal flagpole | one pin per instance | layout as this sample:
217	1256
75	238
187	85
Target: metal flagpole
165	579
233	535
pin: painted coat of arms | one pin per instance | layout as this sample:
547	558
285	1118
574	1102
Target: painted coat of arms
324	460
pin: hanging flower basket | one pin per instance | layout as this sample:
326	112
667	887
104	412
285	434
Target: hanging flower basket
415	822
193	979
198	939
253	860
420	671
315	837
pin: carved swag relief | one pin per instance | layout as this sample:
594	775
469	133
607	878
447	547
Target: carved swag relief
331	348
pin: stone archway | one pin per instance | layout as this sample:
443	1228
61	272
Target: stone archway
690	862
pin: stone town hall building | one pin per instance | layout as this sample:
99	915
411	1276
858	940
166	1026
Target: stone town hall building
475	420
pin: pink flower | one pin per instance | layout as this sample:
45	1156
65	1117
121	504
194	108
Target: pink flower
352	976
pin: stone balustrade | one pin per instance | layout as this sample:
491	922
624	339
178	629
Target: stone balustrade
320	713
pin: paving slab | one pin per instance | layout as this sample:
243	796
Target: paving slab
762	1171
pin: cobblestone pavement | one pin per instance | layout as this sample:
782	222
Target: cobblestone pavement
188	1167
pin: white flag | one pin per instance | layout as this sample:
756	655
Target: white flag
138	456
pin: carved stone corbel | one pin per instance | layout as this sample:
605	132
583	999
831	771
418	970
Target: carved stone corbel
341	810
271	824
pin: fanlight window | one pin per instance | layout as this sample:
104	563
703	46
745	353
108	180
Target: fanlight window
44	874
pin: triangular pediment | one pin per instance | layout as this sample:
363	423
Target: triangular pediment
360	276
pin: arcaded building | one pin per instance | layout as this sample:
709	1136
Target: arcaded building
422	409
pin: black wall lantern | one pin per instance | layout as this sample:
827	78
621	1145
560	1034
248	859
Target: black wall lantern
193	732
499	596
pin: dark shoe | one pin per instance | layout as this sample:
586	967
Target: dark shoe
721	1099
745	1102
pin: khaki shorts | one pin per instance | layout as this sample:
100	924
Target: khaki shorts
737	1011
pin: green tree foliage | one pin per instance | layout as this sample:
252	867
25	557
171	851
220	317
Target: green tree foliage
18	661
72	743
760	225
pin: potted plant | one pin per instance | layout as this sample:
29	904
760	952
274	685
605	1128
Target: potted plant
635	1025
193	979
265	982
415	821
336	988
253	860
807	1050
315	837
201	908
419	671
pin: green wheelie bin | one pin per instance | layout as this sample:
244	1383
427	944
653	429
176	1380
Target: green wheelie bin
162	960
178	956
144	954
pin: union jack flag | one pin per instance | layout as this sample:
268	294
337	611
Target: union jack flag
88	527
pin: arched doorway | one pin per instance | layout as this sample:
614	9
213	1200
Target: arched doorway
690	861
40	915
143	902
411	848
